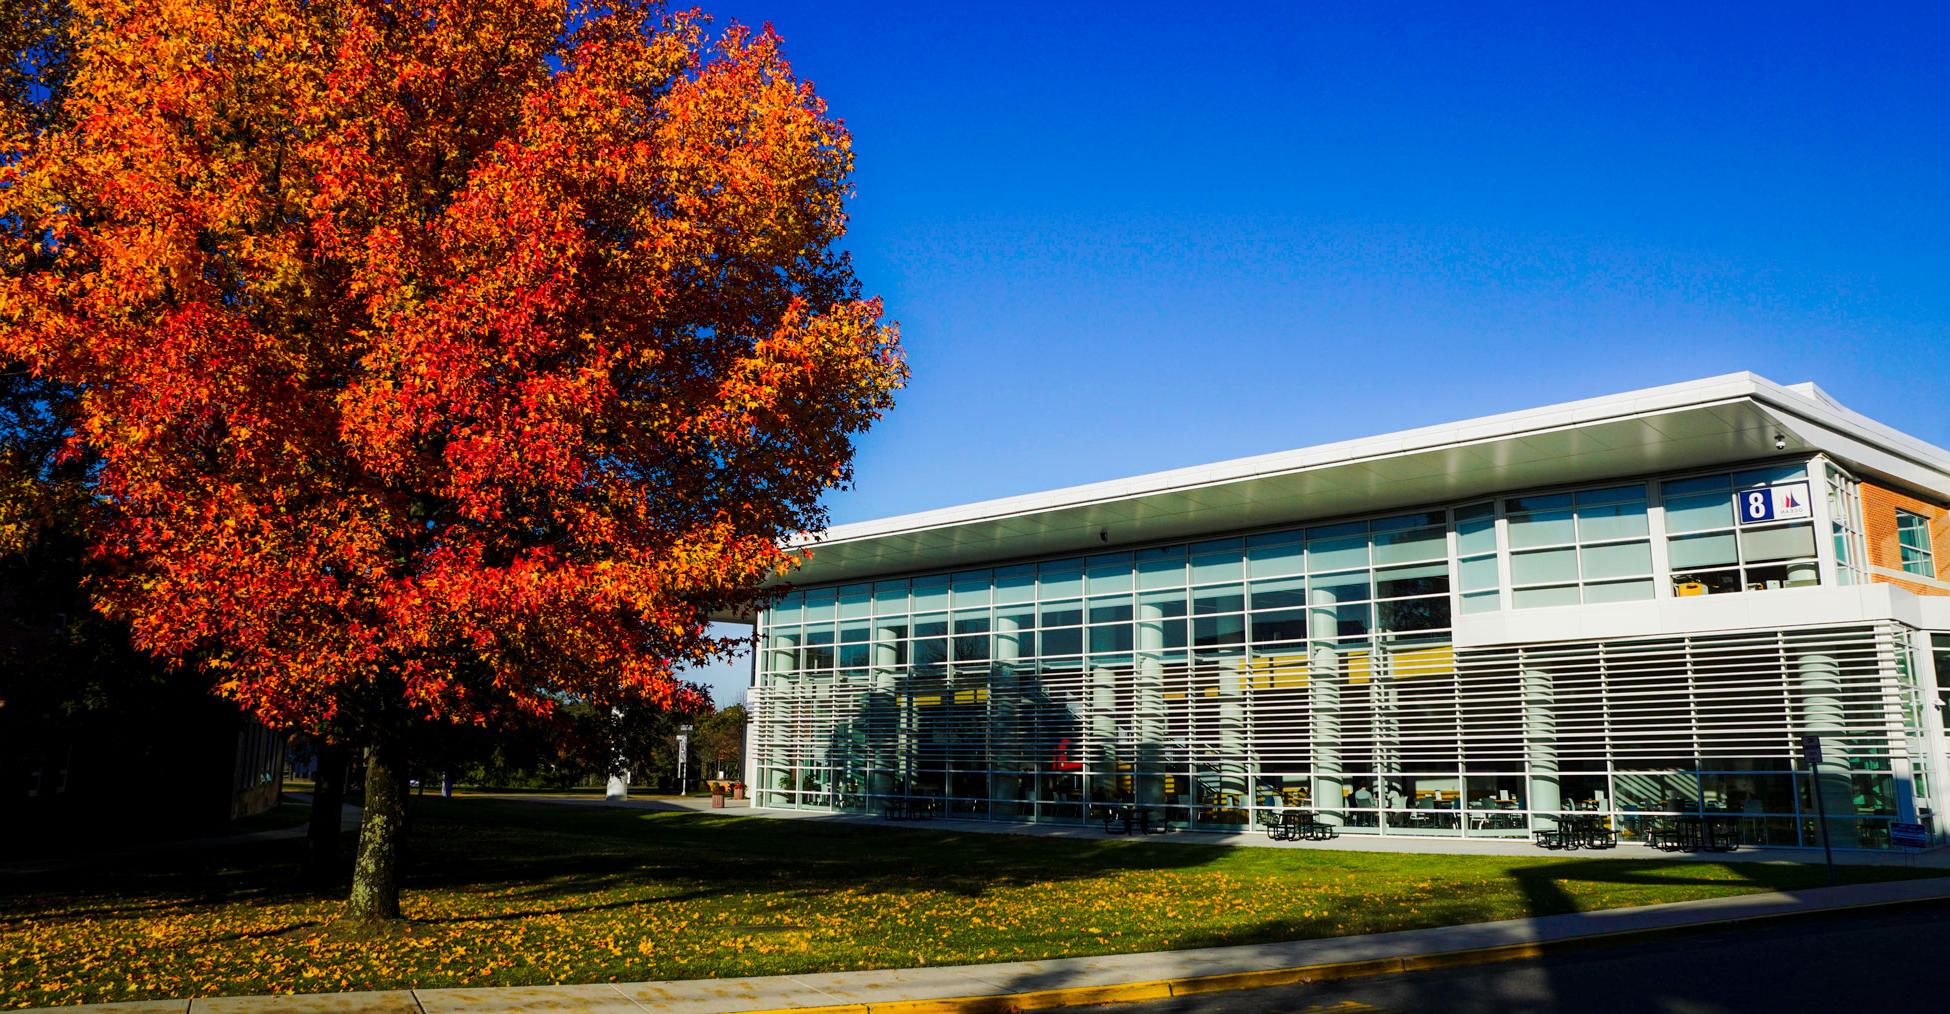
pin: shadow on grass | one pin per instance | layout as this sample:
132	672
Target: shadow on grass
510	860
561	851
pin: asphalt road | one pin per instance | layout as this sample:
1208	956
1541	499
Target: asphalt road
1895	959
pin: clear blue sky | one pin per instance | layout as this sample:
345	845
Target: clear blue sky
1134	237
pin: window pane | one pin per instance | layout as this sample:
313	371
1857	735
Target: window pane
1222	560
1612	521
1413	614
889	597
1913	544
1272	555
1061	614
1212	631
1615	494
1060	578
1281	625
973	587
1698	513
1478	574
932	625
1618	591
1525	598
1476	529
1348	621
1545	566
1229	598
1410	546
1541	528
1481	602
1770	474
1068	641
1337	554
1115	609
1110	573
1112	638
1014	618
1161	568
971	648
1328	588
1701	551
1282	594
1778	543
1702	484
1016	584
1552	502
1426	579
856	600
1625	559
1161	604
1712	582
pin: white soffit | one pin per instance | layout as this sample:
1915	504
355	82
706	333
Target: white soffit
1698	424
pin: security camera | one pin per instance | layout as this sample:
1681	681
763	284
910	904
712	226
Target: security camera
1780	442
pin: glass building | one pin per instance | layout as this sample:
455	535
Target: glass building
1640	607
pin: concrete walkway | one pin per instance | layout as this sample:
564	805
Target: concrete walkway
664	803
1077	981
1937	858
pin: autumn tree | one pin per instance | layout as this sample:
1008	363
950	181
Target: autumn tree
437	360
721	741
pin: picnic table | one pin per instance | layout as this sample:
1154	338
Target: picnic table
1294	825
907	809
1576	831
1121	818
1691	833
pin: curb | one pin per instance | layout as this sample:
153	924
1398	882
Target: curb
1164	989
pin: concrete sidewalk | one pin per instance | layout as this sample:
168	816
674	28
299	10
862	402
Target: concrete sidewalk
1937	858
697	804
1076	981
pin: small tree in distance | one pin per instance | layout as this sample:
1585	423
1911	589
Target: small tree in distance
440	359
721	742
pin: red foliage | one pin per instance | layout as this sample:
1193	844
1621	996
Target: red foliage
466	354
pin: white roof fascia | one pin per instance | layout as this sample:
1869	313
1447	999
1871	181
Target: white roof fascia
1858	439
1869	443
1427	438
1160	504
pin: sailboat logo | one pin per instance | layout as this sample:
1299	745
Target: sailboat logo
1790	501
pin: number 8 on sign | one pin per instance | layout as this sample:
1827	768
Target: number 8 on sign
1756	505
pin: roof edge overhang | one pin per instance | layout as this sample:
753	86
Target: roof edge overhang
1696	424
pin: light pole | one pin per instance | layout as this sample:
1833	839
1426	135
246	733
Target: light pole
684	759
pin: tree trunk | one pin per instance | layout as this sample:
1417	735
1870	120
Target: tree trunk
327	803
382	833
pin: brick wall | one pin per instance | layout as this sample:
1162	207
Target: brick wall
1879	507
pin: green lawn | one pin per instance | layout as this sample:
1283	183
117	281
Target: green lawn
510	892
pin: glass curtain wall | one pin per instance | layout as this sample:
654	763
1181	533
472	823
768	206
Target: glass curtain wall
1218	682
